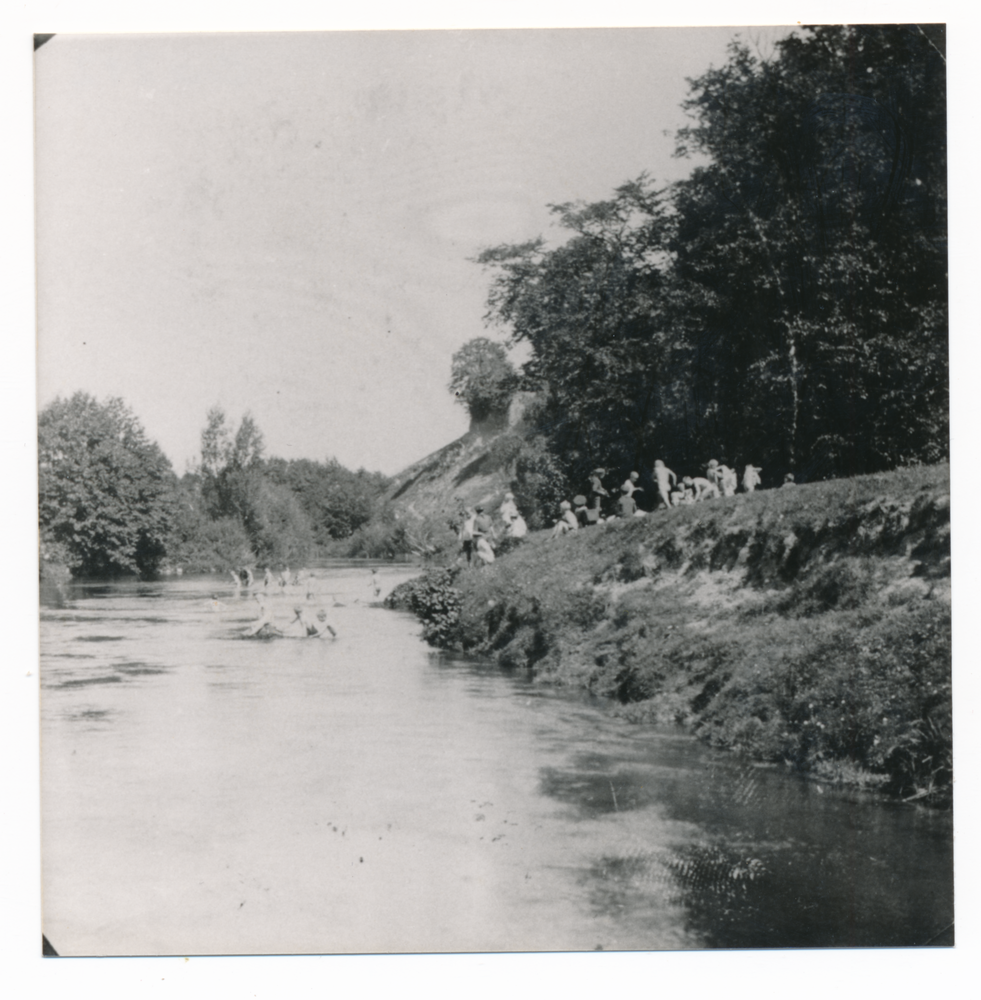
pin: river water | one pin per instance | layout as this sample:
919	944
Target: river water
207	794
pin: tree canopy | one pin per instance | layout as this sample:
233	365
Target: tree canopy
106	493
110	503
482	378
784	305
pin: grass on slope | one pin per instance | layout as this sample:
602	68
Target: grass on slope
808	625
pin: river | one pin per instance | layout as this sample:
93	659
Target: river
207	794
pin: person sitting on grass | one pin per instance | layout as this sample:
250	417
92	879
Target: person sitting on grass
626	505
518	528
509	509
566	522
484	552
788	480
751	477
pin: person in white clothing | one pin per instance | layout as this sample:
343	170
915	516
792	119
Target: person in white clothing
567	520
751	477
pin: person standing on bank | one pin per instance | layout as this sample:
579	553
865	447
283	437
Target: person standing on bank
466	534
751	477
596	493
665	479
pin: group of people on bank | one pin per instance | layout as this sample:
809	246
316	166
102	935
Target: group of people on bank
598	506
478	531
479	534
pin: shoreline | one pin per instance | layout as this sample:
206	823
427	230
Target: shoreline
807	627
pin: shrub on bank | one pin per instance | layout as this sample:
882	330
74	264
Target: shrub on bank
434	600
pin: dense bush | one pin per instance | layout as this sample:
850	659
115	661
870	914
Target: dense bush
109	502
435	601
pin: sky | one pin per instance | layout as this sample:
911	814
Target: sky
283	223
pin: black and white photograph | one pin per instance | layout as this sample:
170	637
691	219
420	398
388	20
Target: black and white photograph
493	491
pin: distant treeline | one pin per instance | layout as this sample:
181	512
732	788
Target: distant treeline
110	502
785	305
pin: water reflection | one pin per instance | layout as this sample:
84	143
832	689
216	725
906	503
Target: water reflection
203	794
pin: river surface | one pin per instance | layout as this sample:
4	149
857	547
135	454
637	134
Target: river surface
207	794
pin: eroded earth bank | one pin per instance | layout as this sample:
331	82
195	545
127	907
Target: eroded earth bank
809	627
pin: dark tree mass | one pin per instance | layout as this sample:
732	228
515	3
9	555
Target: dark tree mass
784	305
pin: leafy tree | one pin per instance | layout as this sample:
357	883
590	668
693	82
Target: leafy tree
200	544
482	378
336	500
106	492
816	237
786	304
231	467
598	312
216	445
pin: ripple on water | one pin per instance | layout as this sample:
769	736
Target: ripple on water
134	668
89	681
90	715
596	792
99	638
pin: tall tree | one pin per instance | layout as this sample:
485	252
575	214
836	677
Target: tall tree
818	234
787	303
106	492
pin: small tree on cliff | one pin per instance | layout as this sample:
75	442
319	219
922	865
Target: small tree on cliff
482	378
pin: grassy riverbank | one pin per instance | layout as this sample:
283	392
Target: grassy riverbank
808	626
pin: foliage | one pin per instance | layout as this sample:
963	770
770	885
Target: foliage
809	627
540	483
110	503
336	500
482	378
434	599
199	544
785	305
105	491
287	509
